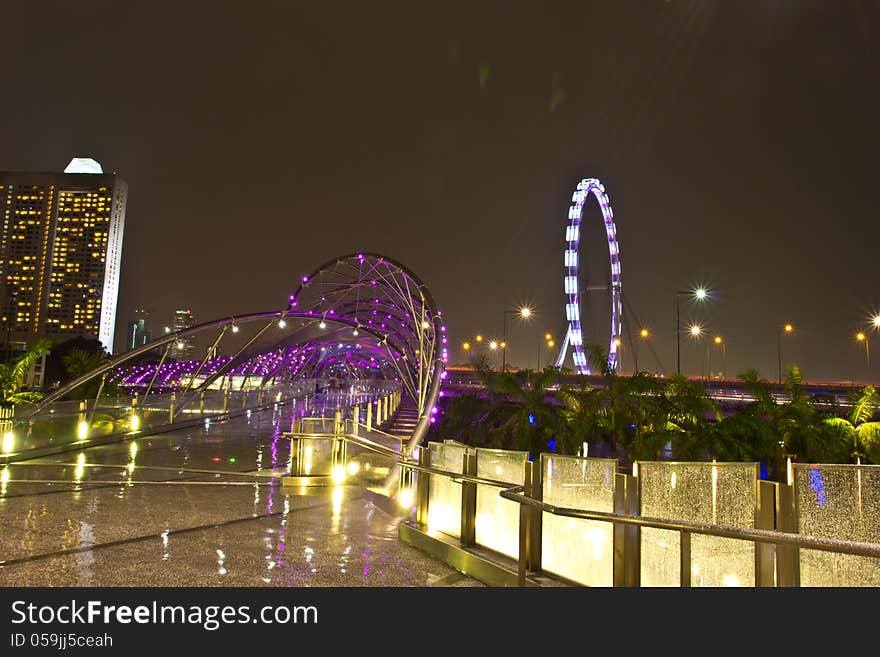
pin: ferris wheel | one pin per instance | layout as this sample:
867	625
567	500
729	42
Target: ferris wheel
574	337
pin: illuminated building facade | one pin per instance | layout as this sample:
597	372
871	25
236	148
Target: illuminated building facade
183	348
61	246
138	329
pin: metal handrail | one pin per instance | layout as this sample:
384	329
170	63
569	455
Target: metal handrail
517	494
456	476
357	440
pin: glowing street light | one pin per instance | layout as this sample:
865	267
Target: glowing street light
644	334
478	338
695	330
861	337
875	320
466	346
699	294
720	342
787	329
524	312
493	345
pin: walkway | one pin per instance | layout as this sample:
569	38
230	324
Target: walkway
198	507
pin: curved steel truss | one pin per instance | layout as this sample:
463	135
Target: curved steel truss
359	316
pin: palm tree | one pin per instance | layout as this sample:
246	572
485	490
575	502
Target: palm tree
533	419
860	432
692	420
14	373
82	361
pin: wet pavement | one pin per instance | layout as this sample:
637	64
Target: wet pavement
201	507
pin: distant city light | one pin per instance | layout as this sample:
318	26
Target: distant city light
696	330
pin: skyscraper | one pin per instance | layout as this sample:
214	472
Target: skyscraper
139	329
61	246
183	348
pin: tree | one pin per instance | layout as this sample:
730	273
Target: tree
533	419
860	433
57	373
14	373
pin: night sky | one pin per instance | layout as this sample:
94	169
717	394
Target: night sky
738	143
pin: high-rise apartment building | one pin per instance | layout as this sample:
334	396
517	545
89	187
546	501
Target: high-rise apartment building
61	246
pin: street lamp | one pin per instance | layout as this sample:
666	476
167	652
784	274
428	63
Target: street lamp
787	329
861	337
695	331
698	294
525	313
875	320
720	341
548	341
644	334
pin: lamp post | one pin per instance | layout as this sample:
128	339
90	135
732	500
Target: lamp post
861	337
695	331
720	341
525	313
787	329
698	294
644	334
548	340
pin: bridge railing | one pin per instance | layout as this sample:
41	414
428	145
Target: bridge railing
66	425
579	521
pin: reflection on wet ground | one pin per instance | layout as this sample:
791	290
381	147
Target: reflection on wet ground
200	507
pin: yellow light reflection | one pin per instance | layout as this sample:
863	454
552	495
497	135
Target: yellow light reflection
80	466
405	499
353	468
8	442
4	480
135	423
307	460
338	474
82	430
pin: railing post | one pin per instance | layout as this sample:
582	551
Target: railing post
135	422
244	394
524	517
378	413
369	416
633	540
788	571
202	403
685	558
82	427
423	491
355	419
468	501
536	519
171	402
225	400
765	553
619	535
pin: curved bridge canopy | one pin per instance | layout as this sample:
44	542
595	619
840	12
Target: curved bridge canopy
359	316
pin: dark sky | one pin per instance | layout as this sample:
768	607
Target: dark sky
737	140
